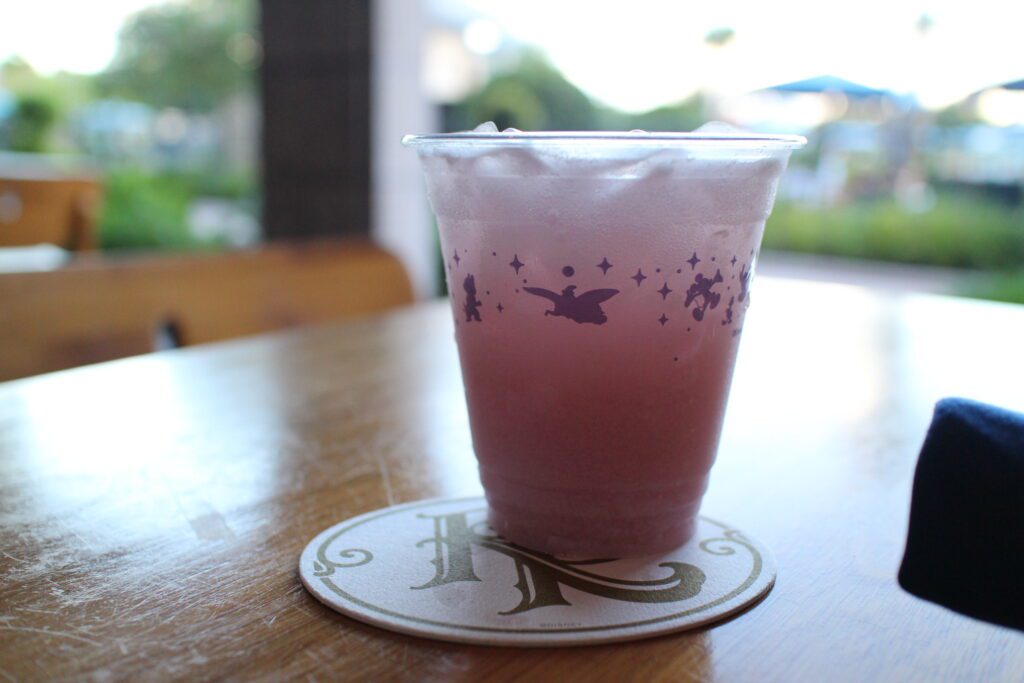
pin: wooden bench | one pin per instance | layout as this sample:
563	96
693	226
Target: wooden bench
38	210
101	309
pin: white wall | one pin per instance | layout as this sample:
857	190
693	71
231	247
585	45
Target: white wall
401	217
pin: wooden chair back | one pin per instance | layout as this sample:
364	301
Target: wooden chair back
56	211
101	309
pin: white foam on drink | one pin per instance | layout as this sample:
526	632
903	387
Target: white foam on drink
640	190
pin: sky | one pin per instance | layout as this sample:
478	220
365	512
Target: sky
64	35
640	54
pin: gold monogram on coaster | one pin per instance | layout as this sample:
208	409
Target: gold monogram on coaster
436	569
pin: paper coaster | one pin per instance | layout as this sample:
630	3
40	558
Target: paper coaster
436	569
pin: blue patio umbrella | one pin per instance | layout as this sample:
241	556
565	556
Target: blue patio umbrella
826	84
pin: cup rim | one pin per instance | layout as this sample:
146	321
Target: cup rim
631	138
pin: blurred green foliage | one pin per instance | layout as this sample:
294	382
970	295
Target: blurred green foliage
959	114
63	91
959	232
30	125
1006	286
147	210
41	102
212	182
533	95
684	116
143	211
189	55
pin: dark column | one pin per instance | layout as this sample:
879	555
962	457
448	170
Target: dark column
316	117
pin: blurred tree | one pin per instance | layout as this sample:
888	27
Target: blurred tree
30	124
190	55
532	96
40	104
64	90
960	113
685	115
16	74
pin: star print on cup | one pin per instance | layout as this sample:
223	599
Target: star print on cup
576	302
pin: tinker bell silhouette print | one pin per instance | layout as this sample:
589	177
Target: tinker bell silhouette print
472	305
701	289
585	308
744	282
728	311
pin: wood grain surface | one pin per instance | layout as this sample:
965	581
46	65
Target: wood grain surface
152	509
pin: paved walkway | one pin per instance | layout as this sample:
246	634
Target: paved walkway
876	274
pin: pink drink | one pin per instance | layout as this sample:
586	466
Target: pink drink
599	286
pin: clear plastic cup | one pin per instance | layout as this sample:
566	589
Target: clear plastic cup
599	283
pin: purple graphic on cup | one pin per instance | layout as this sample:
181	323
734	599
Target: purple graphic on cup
745	274
702	289
728	312
472	305
585	308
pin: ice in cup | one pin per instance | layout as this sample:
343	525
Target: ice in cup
599	283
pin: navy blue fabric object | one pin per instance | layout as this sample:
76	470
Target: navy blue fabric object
965	545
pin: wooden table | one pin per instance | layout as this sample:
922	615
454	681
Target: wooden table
153	508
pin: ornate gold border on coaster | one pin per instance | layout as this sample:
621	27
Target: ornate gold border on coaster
435	569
